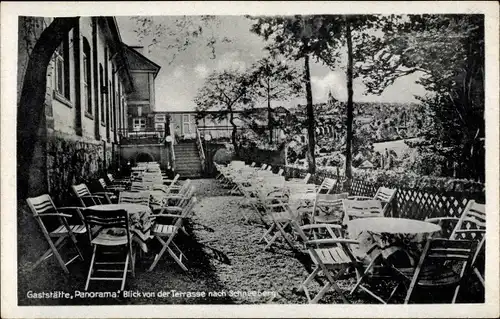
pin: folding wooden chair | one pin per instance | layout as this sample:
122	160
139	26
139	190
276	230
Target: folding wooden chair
443	263
182	200
171	182
109	191
361	209
117	183
169	231
328	208
174	198
330	254
472	226
327	186
87	199
138	187
42	208
281	216
304	180
141	198
247	187
112	238
384	195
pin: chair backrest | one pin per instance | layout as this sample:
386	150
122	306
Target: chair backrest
386	196
185	186
187	211
327	186
81	190
137	187
186	197
269	168
253	164
43	206
472	222
281	171
264	166
329	204
141	198
300	188
438	251
361	209
108	219
110	177
86	199
103	183
176	178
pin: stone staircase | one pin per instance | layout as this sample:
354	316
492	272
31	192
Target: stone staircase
187	160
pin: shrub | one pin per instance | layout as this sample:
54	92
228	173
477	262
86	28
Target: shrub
223	156
395	179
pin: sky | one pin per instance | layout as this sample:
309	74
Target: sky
182	76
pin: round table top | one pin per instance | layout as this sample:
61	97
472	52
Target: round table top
393	225
127	206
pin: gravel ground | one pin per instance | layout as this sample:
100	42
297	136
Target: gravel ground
225	260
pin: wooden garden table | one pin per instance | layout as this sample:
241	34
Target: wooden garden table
383	236
139	220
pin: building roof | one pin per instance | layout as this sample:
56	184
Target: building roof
137	61
366	164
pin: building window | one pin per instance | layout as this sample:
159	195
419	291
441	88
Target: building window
62	69
87	78
160	118
160	127
139	124
186	124
103	92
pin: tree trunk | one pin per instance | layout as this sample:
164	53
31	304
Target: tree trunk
233	133
310	119
31	107
350	106
269	114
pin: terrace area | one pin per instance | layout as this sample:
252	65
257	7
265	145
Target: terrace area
226	260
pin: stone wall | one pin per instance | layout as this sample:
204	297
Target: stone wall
72	161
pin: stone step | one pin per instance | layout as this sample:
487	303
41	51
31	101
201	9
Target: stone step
185	148
185	154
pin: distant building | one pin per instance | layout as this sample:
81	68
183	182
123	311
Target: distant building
141	101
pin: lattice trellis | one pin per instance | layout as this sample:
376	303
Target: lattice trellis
408	203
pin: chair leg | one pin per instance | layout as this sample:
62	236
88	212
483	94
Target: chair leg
365	274
281	229
125	268
303	285
178	260
455	294
160	254
267	233
75	243
53	248
177	247
479	276
332	283
132	253
91	267
411	287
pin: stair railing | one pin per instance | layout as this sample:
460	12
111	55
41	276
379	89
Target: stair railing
201	151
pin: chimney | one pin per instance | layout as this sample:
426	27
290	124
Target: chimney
139	49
